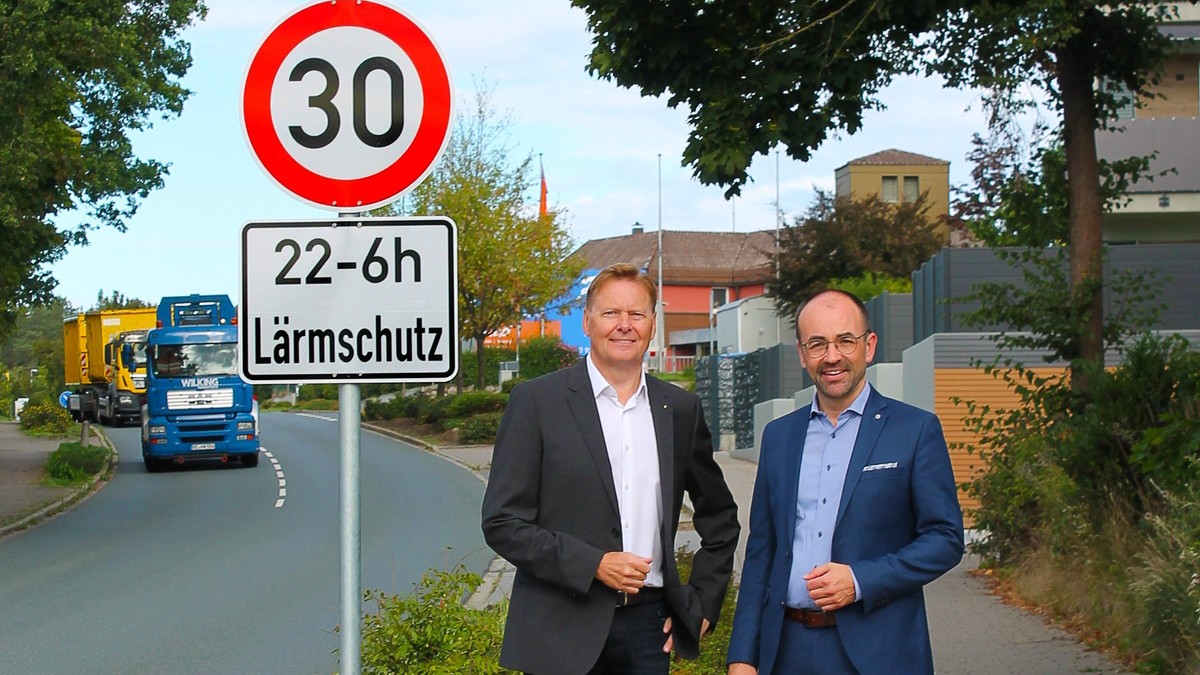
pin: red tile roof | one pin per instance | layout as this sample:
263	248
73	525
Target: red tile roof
689	258
891	156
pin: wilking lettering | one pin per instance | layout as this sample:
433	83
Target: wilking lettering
325	345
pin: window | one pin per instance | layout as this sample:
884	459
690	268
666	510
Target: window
720	296
912	188
890	191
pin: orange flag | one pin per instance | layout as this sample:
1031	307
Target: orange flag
542	208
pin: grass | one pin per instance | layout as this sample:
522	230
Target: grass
73	464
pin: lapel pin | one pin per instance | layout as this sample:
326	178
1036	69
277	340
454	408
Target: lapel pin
877	415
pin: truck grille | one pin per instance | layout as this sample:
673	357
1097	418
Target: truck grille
198	400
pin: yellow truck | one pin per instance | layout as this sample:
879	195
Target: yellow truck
107	388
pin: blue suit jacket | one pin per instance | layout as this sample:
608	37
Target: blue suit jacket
899	527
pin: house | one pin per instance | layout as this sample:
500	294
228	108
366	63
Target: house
1167	208
897	176
701	271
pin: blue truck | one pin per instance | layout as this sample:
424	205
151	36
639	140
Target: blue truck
197	405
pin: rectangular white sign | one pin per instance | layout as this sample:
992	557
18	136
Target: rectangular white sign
349	300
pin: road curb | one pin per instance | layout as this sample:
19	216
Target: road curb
499	574
77	496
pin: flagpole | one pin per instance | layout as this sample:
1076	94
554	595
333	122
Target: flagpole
660	321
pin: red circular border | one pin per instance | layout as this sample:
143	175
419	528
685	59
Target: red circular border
359	193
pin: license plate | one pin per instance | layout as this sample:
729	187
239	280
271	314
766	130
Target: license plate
204	446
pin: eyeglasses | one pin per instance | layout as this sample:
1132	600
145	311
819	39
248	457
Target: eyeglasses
845	344
635	317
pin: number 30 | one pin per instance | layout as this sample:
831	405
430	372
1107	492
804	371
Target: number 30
333	119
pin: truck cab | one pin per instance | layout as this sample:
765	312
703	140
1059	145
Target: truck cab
125	372
197	405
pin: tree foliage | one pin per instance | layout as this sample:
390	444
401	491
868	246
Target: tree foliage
117	300
75	79
758	74
843	238
1018	190
513	261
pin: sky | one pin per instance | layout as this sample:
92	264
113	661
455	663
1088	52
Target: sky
605	150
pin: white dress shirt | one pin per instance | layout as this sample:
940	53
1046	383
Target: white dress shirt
633	454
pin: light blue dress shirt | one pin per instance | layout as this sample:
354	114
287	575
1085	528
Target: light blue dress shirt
822	475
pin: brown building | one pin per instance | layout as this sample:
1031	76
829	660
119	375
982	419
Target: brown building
1167	208
897	176
700	272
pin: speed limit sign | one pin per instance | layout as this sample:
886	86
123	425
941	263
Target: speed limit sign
347	105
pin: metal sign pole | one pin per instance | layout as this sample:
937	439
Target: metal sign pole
349	397
350	499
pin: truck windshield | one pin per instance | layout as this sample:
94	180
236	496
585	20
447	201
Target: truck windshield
139	357
195	360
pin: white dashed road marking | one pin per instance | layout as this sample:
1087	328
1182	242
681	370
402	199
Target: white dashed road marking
279	474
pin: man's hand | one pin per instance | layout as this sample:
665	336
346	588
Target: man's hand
742	669
623	571
704	626
831	586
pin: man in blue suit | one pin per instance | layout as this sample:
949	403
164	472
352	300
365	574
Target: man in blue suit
855	509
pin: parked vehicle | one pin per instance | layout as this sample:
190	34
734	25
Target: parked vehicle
197	405
108	387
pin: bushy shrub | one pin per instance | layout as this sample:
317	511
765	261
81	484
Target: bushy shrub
309	392
543	355
471	403
384	410
45	418
480	428
317	404
507	386
73	463
430	631
492	356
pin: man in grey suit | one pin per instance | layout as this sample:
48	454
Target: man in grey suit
583	498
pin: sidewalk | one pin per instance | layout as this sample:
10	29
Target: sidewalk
24	501
973	632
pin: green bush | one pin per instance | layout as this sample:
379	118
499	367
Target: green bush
430	631
46	418
73	463
543	355
310	392
434	411
471	403
480	428
384	410
316	404
492	356
507	386
275	405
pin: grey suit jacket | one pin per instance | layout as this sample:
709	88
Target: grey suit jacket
550	509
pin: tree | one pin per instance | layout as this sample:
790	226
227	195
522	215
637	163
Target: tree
117	300
758	74
75	79
512	260
841	238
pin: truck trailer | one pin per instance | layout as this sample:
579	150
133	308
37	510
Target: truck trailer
197	405
107	387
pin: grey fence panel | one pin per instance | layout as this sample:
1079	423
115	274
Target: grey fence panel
942	282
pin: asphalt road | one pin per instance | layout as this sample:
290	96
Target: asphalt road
213	568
